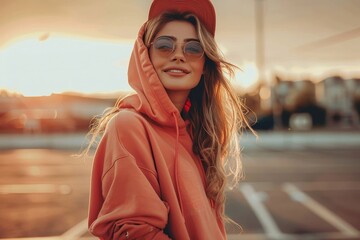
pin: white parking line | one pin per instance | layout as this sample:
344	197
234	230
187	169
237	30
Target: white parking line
263	215
77	231
297	195
34	188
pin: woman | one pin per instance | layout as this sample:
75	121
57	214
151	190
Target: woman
159	171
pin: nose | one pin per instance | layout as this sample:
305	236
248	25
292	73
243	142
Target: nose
178	54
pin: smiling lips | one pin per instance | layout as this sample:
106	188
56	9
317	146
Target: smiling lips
176	71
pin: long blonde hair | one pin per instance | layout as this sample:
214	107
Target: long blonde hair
216	115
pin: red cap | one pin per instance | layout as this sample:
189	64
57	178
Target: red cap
203	9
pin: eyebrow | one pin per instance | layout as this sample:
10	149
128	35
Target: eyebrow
175	39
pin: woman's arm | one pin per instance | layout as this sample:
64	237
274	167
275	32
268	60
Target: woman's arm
125	198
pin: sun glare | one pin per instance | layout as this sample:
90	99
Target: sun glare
51	63
247	76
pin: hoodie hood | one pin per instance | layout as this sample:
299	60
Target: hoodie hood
151	98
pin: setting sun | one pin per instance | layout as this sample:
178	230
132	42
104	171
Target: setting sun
247	76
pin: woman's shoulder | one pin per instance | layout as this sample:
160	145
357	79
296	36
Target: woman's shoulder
128	116
126	121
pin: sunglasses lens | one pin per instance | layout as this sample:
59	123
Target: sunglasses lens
164	45
193	49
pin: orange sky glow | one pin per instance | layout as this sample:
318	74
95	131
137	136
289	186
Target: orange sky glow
61	46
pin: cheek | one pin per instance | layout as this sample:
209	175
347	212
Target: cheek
156	62
199	68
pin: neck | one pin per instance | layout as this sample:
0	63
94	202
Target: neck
178	98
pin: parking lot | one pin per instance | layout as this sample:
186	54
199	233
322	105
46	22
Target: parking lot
298	194
290	191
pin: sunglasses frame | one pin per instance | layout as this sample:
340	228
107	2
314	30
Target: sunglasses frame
174	45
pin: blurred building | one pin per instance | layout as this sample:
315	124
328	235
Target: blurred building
55	113
302	105
353	86
339	96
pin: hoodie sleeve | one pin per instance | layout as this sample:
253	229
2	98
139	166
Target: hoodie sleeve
125	198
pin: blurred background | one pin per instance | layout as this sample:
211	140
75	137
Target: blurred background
64	62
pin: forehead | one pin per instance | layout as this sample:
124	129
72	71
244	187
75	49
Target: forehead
178	29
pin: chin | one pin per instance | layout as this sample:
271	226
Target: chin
173	87
179	87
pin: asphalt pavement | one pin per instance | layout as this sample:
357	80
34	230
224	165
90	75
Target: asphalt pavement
297	185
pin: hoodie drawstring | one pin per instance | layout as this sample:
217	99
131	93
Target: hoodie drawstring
176	162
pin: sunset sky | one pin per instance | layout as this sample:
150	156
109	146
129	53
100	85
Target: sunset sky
84	46
59	63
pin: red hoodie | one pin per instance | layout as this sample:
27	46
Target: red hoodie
146	181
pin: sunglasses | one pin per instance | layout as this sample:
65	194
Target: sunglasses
165	46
